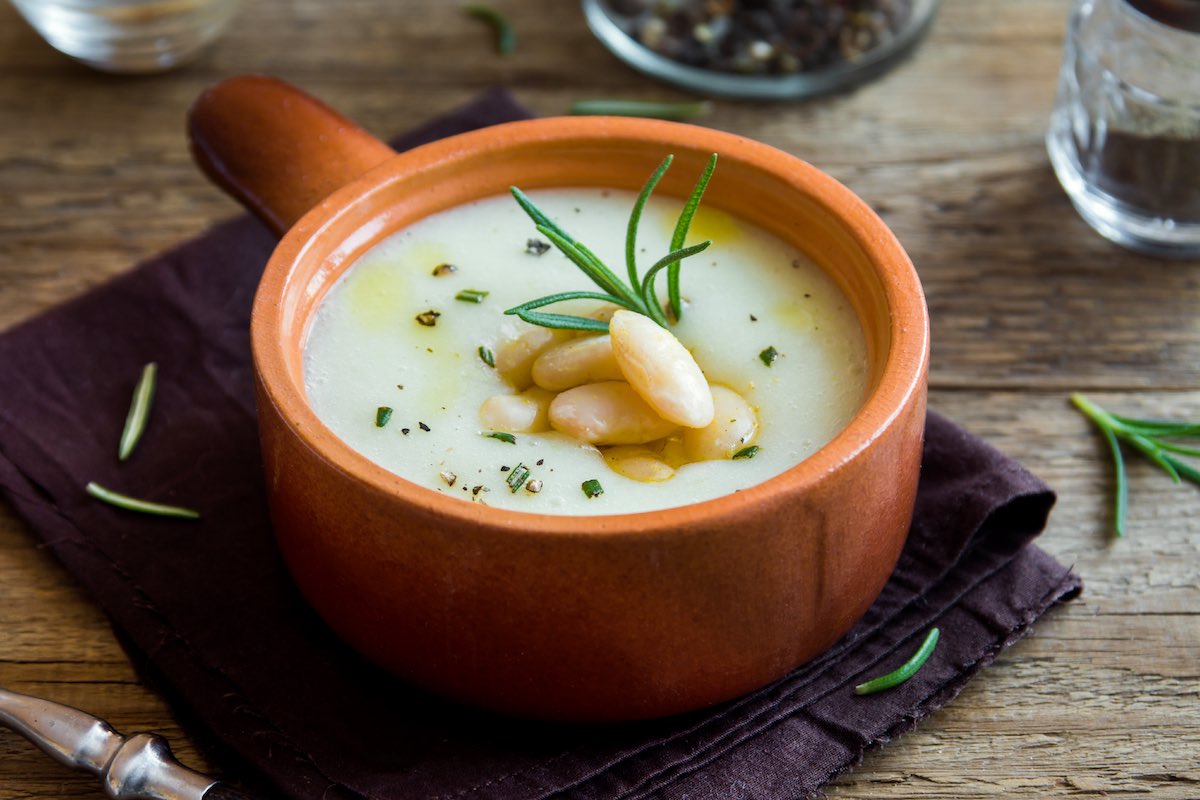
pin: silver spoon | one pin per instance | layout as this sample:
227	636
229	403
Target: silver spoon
138	767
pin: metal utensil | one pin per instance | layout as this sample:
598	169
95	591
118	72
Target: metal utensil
138	767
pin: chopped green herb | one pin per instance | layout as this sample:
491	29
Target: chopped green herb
144	506
506	38
501	435
516	479
139	411
747	452
592	488
441	270
487	356
1152	438
428	318
769	355
906	671
641	108
382	415
471	295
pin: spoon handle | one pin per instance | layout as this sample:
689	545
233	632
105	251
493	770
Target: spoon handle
138	767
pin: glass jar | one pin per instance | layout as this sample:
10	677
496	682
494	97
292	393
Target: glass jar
696	44
129	36
1124	137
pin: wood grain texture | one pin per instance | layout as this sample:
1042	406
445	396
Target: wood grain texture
1027	304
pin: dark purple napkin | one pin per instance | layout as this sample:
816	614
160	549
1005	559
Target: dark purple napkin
207	609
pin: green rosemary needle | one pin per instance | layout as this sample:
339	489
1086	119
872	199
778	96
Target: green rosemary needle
592	488
639	293
906	671
501	435
1152	438
471	296
769	355
382	415
506	37
746	452
641	108
517	477
139	411
487	356
144	506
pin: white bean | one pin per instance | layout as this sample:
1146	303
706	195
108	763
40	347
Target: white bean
515	357
576	362
660	369
607	413
638	463
734	425
527	412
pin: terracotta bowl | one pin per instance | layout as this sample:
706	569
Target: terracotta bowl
584	618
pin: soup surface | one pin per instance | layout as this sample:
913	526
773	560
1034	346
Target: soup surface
367	350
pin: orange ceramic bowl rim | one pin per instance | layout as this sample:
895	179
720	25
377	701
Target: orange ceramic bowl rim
900	382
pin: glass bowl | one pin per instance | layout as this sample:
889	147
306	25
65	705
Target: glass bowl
712	82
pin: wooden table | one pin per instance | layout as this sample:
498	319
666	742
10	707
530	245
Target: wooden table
1027	303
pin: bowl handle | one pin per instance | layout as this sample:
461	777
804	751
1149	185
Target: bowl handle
275	149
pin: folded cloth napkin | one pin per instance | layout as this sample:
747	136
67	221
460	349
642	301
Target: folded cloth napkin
208	610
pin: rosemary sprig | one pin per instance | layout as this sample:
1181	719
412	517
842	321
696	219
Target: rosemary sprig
1152	438
139	411
506	38
134	504
639	293
641	108
905	671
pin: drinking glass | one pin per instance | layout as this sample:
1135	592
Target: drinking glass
1124	137
132	36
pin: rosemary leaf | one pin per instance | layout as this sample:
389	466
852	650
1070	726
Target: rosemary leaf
567	322
592	488
382	415
671	261
1121	498
1150	450
500	435
641	108
471	296
635	219
1185	470
506	37
139	411
487	356
562	296
537	215
144	506
681	231
747	452
906	671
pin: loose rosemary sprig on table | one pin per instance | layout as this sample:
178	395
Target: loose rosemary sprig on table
641	108
1152	438
639	294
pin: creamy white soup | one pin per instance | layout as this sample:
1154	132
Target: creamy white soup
396	361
